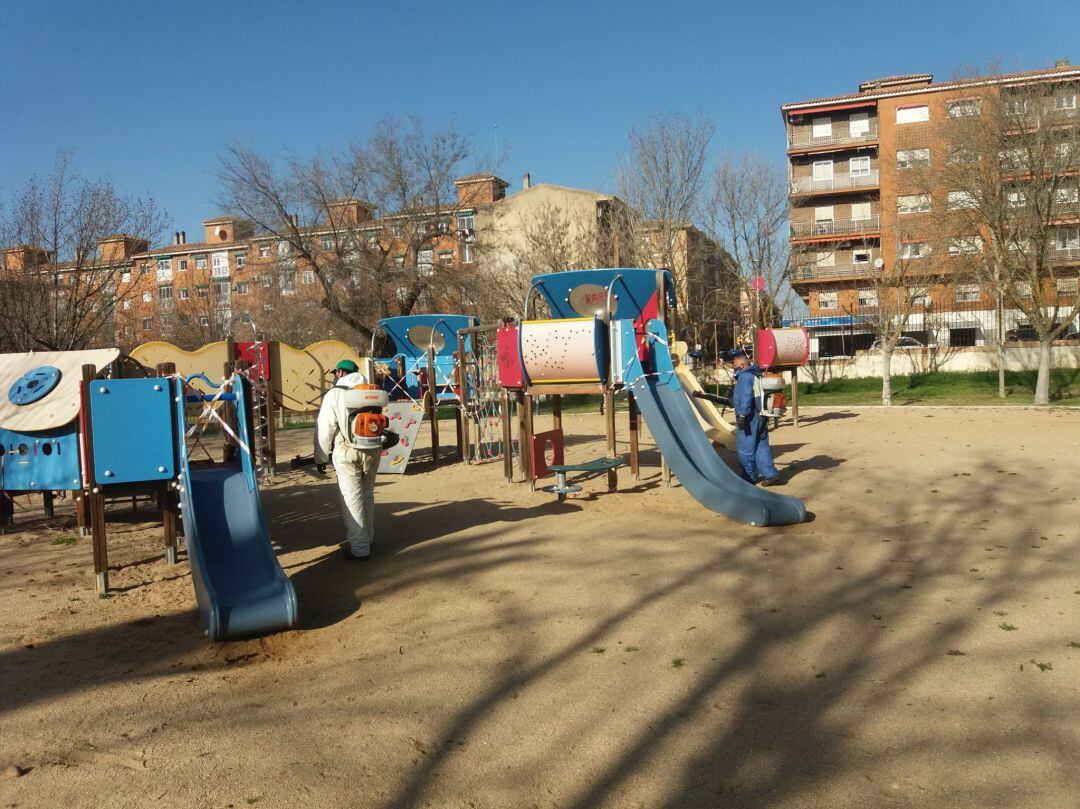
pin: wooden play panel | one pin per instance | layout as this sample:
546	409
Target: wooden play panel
61	404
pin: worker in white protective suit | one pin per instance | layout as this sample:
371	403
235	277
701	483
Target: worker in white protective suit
351	431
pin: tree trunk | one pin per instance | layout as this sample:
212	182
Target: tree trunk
886	377
1001	368
1042	382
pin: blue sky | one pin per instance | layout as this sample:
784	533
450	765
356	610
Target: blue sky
146	93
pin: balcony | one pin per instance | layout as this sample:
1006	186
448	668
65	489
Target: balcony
1065	255
837	182
835	227
806	139
814	272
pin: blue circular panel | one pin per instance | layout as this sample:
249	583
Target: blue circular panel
34	385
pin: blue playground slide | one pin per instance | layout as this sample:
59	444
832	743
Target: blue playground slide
239	585
689	451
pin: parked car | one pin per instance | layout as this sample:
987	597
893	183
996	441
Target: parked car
904	343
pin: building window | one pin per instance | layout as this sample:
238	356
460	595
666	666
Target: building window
823	172
1067	239
264	251
909	250
181	264
822	127
125	277
859	166
466	222
1066	101
1014	158
859	124
1067	286
308	277
912	158
957	155
395	229
423	261
860	257
1067	195
241	287
1016	106
265	281
467	254
373	240
912	203
965	245
1015	199
283	248
825	258
958	200
964	107
202	292
267	307
222	289
219	265
288	283
127	305
164	269
399	261
446	258
967	293
867	298
147	296
241	261
328	243
443	225
200	262
964	336
147	323
912	115
828	300
185	293
1023	289
860	211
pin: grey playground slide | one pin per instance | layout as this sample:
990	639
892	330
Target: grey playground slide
239	585
695	463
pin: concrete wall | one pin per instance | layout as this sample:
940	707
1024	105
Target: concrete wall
1018	357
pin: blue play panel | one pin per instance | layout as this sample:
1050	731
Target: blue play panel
132	430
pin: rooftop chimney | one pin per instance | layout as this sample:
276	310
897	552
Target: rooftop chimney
1061	63
526	183
176	237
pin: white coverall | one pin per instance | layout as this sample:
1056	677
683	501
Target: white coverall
355	468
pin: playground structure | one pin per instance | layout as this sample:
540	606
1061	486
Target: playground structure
608	333
423	374
103	429
282	378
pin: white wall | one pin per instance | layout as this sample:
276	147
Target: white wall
976	358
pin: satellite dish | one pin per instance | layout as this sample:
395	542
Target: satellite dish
879	263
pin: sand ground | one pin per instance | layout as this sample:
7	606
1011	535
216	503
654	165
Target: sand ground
917	644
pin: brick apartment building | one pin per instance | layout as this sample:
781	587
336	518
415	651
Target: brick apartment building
851	215
236	279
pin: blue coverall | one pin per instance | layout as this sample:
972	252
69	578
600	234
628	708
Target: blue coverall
752	441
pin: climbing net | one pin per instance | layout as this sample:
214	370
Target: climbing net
483	403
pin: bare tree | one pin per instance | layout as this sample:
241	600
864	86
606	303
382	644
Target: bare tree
319	215
748	213
1010	179
65	267
663	183
520	244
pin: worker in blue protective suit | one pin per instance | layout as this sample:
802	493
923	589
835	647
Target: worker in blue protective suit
752	428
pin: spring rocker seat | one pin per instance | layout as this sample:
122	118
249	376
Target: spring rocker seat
563	487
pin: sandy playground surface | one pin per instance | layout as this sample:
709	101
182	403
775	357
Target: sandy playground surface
915	645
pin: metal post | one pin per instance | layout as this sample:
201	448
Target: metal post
612	449
507	436
525	434
795	396
634	428
463	401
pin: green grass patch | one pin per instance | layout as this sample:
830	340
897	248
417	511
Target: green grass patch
944	388
68	540
1007	627
678	662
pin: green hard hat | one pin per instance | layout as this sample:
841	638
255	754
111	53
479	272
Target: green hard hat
348	366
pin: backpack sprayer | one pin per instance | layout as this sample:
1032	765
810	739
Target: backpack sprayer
367	423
